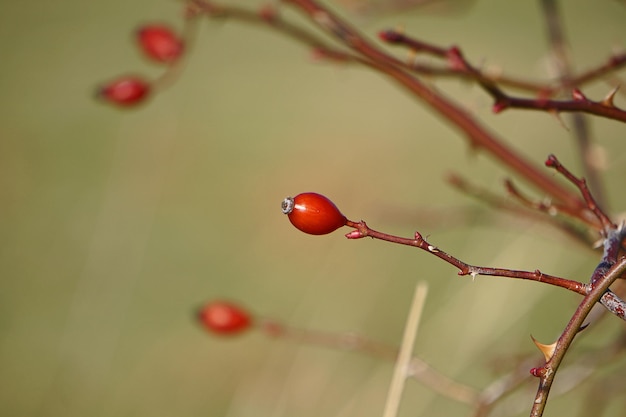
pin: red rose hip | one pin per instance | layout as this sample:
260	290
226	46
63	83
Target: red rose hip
313	213
125	91
160	43
224	318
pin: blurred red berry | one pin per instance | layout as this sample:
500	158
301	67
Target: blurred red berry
160	43
313	213
125	91
224	318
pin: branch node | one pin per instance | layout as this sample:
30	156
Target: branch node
578	95
455	59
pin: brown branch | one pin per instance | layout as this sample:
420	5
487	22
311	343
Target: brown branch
608	270
502	101
544	211
581	184
612	248
479	136
580	103
363	230
553	209
269	17
614	63
548	371
581	129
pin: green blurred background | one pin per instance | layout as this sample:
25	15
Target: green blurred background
115	225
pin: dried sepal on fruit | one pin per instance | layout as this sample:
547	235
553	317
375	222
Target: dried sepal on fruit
224	317
160	43
313	213
126	91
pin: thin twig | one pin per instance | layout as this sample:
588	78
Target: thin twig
614	63
562	61
581	184
363	230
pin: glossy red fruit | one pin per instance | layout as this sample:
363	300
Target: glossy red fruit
224	318
125	91
160	43
313	213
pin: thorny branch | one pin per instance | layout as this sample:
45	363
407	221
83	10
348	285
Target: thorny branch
610	301
469	72
587	210
548	371
562	62
365	53
611	267
502	101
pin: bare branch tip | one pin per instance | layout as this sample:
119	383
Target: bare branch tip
552	161
391	36
499	106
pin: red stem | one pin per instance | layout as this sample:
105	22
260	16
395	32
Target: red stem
363	230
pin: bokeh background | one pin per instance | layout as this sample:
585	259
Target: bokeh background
116	225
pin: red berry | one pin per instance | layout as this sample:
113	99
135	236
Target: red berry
224	318
160	43
313	213
125	91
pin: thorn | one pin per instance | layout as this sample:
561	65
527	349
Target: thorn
411	57
558	118
608	100
547	350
